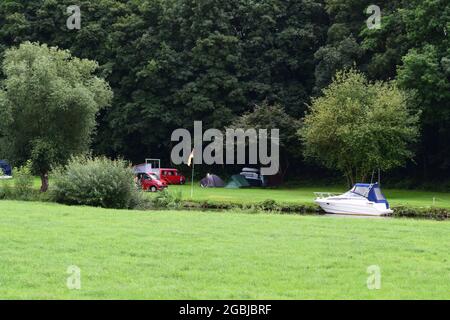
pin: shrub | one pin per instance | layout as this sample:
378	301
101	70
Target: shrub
6	191
269	205
23	182
21	187
165	199
95	182
424	213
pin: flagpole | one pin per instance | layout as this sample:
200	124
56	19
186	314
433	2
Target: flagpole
192	179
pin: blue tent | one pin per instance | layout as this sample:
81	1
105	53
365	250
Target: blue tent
5	168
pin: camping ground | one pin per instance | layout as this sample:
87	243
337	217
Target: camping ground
300	195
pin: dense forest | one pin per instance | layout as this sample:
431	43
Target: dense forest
170	62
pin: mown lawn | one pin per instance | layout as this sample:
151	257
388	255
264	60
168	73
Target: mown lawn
305	195
213	255
299	195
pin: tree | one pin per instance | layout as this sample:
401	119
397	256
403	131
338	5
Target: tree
358	126
426	70
173	62
266	116
211	61
413	45
49	101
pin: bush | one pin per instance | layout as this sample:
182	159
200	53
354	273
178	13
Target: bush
269	205
6	191
23	182
164	199
423	213
96	182
21	187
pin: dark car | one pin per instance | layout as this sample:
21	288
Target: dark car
5	168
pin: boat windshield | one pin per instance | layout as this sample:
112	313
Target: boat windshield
350	194
362	191
378	194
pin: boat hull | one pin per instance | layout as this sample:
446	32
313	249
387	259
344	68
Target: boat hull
353	207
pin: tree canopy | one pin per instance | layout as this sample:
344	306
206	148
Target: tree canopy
358	126
269	117
48	101
175	61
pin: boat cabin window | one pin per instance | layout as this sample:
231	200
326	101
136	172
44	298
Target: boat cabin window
378	194
363	191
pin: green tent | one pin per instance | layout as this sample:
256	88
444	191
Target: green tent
237	181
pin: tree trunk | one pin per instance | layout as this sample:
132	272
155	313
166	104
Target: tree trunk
350	177
44	182
283	172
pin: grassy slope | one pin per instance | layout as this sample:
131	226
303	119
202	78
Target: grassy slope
305	195
179	255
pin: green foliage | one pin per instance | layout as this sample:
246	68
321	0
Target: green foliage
266	116
425	71
49	101
5	190
164	200
21	187
268	205
421	213
23	181
95	182
413	45
358	126
172	62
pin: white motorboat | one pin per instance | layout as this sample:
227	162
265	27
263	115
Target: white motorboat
362	199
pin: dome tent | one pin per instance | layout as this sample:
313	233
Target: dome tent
237	181
212	181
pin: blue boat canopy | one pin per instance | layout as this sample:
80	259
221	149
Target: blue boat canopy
370	191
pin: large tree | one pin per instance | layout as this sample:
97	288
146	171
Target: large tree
358	126
49	101
266	116
413	46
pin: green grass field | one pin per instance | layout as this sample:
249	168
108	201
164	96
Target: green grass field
300	195
305	195
213	255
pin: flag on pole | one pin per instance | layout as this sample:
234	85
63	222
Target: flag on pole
191	157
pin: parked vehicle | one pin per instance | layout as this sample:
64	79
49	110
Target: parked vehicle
150	182
253	176
362	199
5	170
168	175
171	176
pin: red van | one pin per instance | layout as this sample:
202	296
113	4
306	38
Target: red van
171	176
150	182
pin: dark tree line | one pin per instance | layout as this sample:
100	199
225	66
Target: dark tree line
170	62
